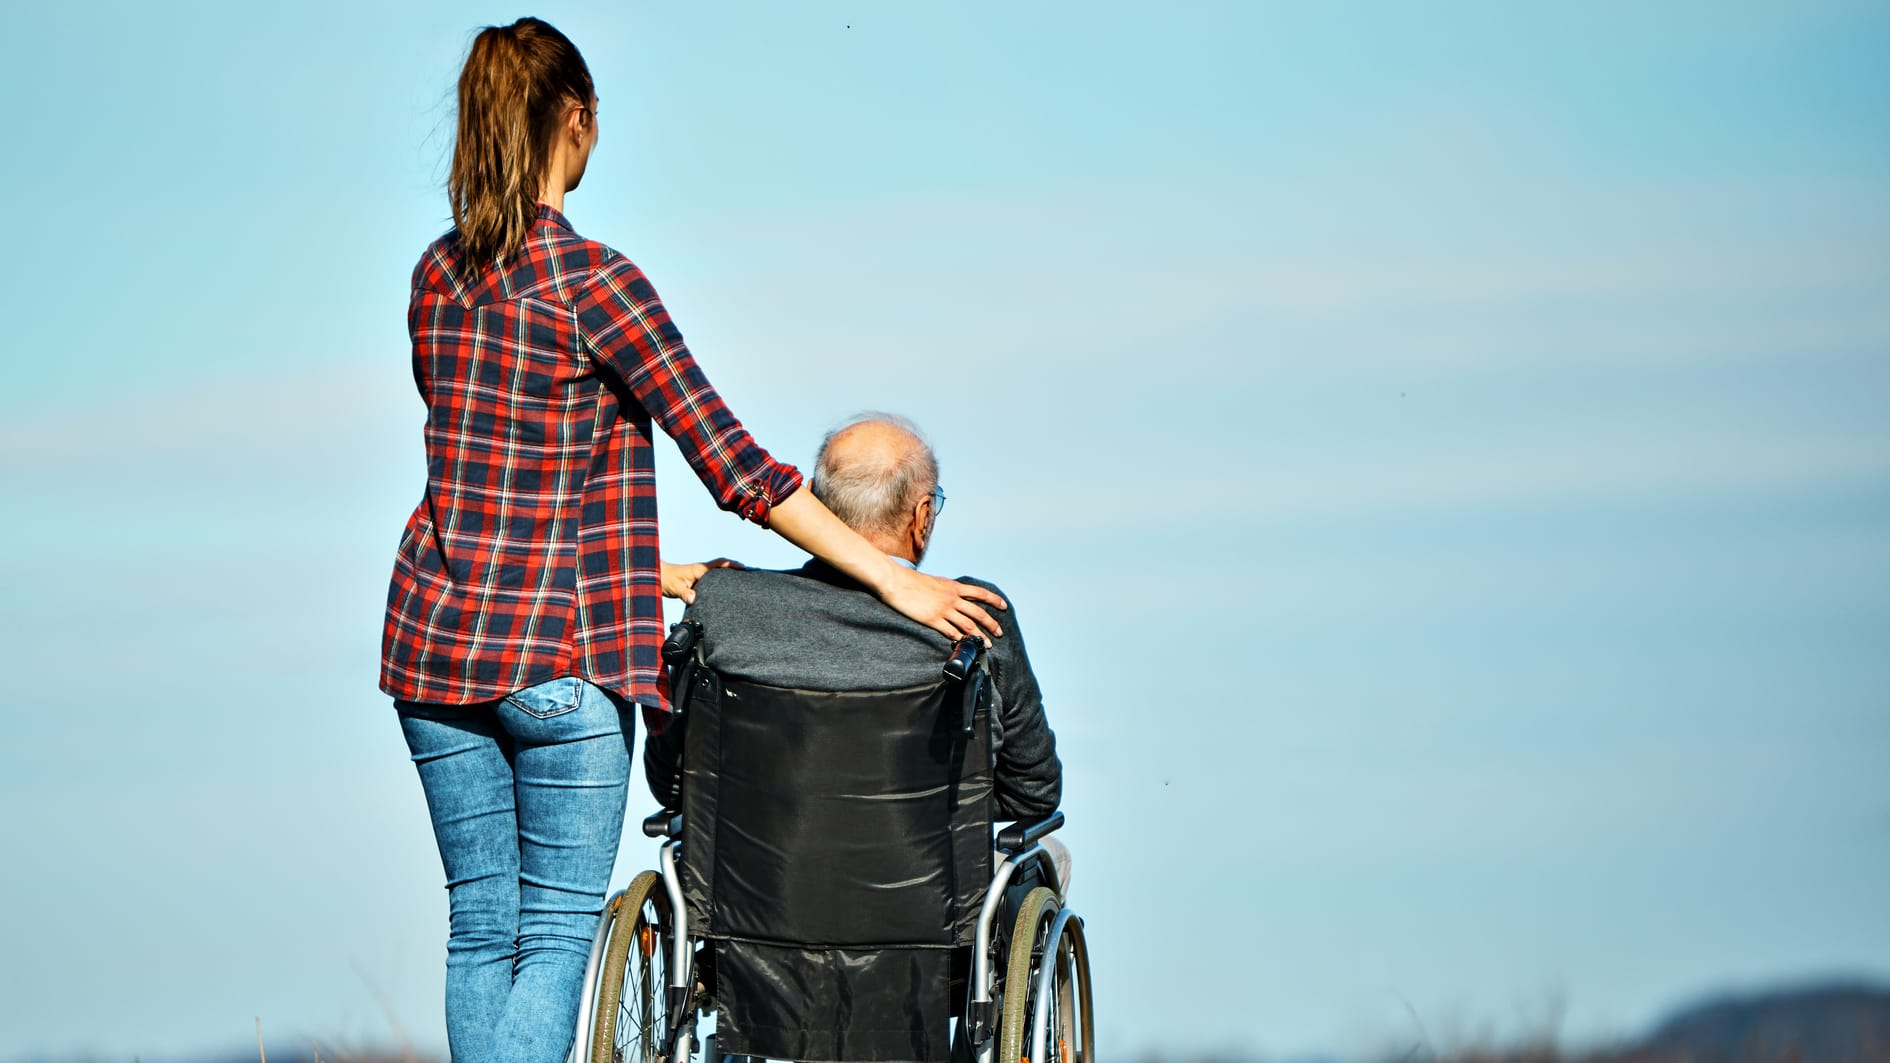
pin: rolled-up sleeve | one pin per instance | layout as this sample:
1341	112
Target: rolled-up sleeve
629	333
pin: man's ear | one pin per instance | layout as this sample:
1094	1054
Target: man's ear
919	530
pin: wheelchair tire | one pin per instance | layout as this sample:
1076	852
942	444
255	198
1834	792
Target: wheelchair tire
632	1020
1025	958
1079	1028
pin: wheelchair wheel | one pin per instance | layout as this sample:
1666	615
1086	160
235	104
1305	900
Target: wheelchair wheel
1079	1023
1070	1028
1028	937
632	1021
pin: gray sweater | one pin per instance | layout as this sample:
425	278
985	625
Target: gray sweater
813	628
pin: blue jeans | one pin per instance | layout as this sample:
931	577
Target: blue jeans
527	797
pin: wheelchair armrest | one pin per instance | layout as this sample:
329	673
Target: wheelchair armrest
1026	832
663	824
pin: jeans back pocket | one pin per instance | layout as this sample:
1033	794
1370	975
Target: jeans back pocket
554	697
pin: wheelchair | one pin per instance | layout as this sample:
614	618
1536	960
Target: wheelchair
1027	991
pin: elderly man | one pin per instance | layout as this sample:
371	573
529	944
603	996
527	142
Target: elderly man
814	629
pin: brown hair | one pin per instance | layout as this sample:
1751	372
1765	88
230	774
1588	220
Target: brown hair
513	92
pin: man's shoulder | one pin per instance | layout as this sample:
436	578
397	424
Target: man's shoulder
1006	617
810	628
986	584
752	598
735	584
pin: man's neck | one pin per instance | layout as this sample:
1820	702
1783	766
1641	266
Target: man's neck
898	559
898	549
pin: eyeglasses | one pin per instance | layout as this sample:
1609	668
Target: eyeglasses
938	499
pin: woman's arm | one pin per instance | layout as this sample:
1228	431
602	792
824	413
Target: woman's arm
629	331
946	606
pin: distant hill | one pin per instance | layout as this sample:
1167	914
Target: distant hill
1831	1023
1822	1024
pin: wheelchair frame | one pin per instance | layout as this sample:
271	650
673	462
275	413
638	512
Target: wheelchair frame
1053	961
993	1020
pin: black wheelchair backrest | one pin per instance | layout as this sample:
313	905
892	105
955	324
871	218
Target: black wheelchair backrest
853	819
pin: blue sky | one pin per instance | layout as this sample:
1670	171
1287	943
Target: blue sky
1488	398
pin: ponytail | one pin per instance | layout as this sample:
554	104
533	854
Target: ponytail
513	92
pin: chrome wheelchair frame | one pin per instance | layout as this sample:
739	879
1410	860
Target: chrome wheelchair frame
1028	988
622	1019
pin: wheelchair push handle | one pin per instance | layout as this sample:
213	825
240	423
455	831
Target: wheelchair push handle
962	668
664	824
683	636
1028	832
963	659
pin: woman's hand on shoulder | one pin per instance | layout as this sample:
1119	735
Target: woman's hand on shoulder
679	581
953	609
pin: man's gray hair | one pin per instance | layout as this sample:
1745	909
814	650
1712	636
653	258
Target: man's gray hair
872	496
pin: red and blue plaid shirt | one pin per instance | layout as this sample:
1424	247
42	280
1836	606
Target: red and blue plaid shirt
534	553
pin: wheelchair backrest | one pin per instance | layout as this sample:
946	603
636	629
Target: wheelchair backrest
850	820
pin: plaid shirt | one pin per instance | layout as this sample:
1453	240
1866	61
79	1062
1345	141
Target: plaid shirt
534	553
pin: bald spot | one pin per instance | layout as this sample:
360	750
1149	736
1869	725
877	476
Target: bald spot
872	447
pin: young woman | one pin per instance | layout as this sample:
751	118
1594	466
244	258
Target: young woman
524	617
